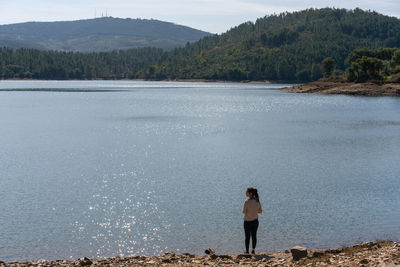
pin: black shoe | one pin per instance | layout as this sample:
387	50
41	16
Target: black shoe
253	252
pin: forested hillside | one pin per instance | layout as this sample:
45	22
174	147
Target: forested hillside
284	47
31	63
101	34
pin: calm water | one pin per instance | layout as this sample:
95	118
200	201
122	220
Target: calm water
125	168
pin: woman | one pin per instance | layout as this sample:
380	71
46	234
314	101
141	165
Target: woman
251	209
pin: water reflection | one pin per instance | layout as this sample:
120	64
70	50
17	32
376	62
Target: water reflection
164	169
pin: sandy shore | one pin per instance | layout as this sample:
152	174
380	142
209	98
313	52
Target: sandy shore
381	253
361	89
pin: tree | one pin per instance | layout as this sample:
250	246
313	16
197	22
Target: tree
364	69
328	64
396	58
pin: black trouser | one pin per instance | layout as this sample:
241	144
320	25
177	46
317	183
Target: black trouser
250	228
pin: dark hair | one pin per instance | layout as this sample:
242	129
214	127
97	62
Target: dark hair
254	193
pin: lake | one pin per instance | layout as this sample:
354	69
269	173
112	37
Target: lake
106	168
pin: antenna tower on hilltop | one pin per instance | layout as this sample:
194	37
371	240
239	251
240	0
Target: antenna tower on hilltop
101	14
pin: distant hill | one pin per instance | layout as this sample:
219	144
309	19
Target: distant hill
17	44
101	34
284	47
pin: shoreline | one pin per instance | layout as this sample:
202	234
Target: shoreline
165	80
317	87
346	88
379	253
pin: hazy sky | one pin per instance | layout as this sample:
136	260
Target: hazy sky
210	15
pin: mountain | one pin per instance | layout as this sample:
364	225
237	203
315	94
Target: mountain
101	34
284	47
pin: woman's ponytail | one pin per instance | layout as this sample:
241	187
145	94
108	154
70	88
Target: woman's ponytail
255	194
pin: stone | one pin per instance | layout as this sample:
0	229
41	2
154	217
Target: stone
166	261
317	254
243	256
85	262
298	252
229	257
169	254
364	261
209	251
334	251
213	256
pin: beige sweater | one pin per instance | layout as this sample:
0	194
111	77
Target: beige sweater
251	209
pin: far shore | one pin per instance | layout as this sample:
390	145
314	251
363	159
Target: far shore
166	80
316	87
380	253
343	88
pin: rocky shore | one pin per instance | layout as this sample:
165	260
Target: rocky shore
360	89
381	253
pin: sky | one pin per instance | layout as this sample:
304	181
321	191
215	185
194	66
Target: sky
214	16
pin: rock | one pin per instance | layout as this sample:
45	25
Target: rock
334	251
166	260
243	256
369	244
169	254
209	251
213	256
85	262
317	254
298	253
229	257
364	261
